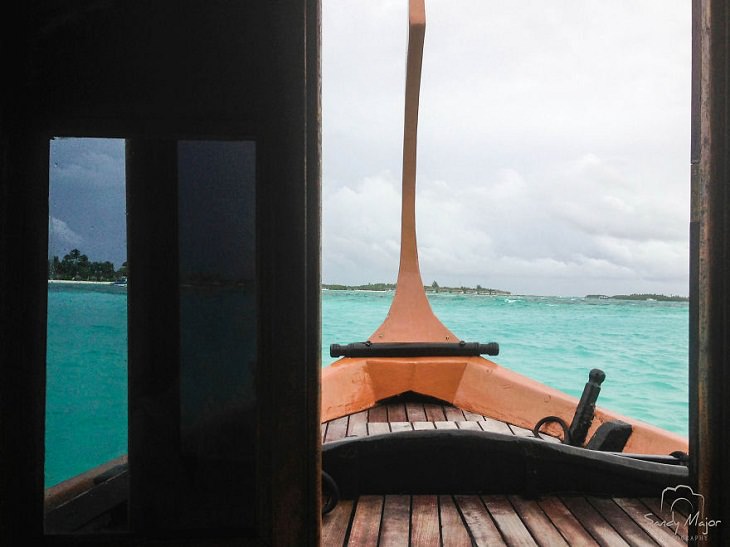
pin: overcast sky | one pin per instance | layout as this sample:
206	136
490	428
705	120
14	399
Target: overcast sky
553	152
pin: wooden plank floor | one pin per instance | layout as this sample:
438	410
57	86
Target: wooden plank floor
431	520
413	415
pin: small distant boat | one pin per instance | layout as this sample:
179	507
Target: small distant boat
121	282
415	409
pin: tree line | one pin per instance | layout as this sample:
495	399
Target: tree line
77	267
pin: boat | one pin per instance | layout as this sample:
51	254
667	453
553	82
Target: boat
415	410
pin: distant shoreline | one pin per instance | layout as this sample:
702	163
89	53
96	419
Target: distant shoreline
434	288
72	282
642	297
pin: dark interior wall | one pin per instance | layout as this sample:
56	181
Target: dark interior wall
160	72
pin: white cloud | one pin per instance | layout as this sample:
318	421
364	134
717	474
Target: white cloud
553	144
61	236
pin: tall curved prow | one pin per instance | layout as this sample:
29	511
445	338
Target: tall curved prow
411	318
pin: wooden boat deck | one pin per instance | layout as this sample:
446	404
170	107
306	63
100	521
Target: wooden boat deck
455	520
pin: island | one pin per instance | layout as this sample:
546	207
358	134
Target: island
643	296
433	288
76	266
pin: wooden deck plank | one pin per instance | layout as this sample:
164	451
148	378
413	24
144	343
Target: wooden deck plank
508	521
453	414
664	514
358	424
621	522
434	412
592	521
663	535
489	520
397	412
416	413
679	510
473	416
377	428
520	431
572	530
336	429
395	526
453	529
400	426
482	528
472	426
365	528
535	519
495	426
378	414
425	529
336	523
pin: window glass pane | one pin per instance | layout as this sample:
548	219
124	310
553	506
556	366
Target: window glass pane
86	363
217	235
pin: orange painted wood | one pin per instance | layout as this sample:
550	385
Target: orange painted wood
395	526
561	517
425	529
663	535
336	523
410	318
535	519
592	521
508	521
473	383
365	529
482	528
621	522
453	529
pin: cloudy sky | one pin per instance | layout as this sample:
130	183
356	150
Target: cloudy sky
553	144
87	199
553	148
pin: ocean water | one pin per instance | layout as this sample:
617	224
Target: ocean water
641	346
86	378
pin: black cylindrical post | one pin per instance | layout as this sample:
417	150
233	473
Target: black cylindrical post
586	407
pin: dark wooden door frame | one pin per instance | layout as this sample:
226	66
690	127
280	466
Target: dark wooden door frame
710	269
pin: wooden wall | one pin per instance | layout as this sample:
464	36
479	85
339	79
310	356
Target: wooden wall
154	73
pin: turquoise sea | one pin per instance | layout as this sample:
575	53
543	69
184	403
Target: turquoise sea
641	345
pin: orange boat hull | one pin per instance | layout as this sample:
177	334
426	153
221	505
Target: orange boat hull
475	384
